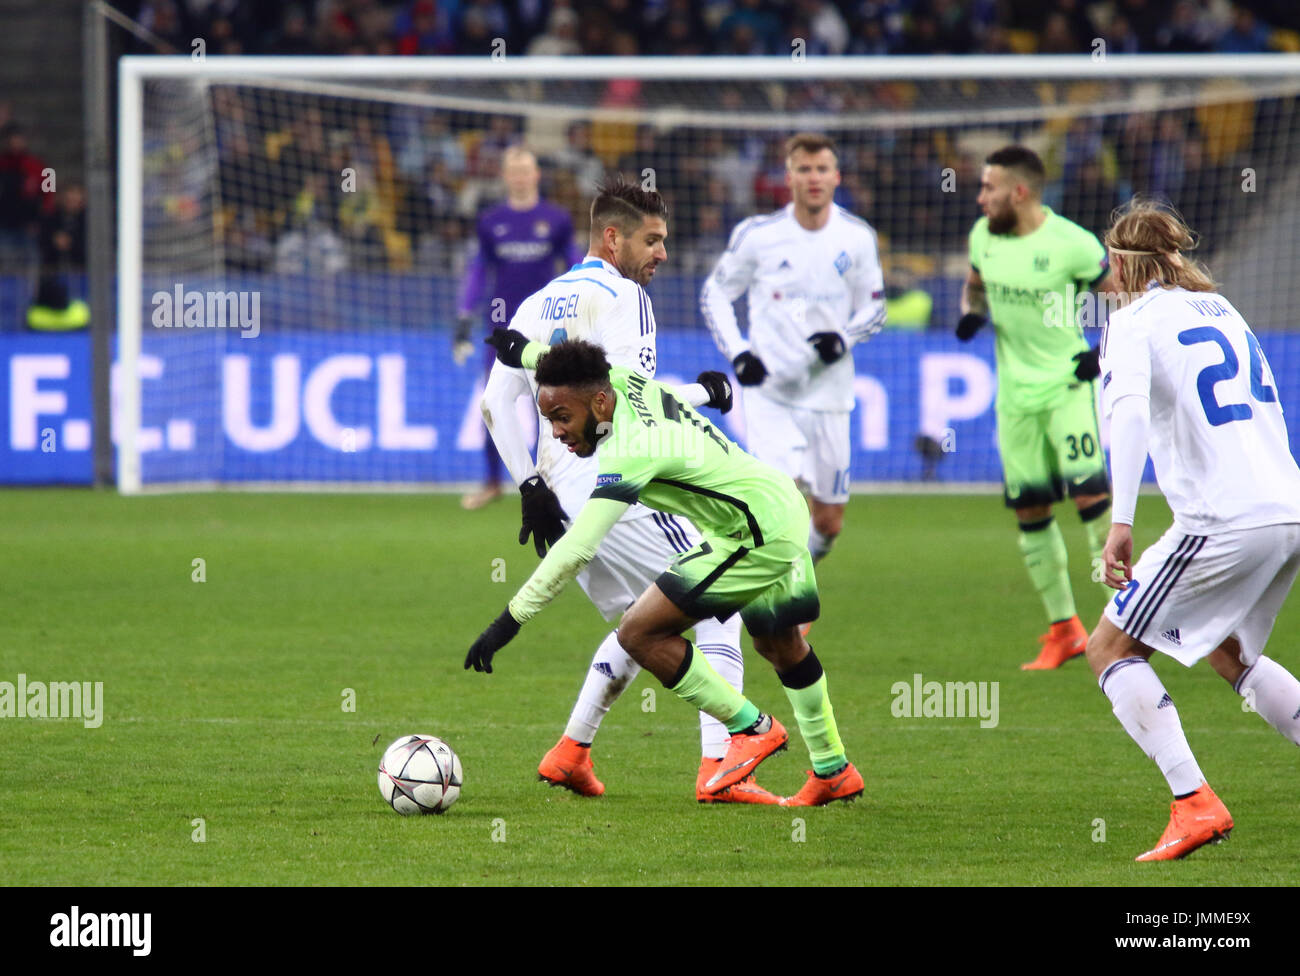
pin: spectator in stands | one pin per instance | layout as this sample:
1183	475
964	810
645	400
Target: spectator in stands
1057	36
561	36
750	28
310	248
293	36
577	158
22	200
432	142
482	20
63	232
1089	196
1188	31
649	154
423	28
682	35
1246	35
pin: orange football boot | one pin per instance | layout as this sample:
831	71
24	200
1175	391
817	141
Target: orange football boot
818	791
744	753
1194	821
569	765
746	791
1065	640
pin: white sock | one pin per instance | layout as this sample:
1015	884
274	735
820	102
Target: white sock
611	671
1148	714
818	544
720	644
1275	694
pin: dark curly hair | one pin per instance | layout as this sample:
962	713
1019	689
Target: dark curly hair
581	365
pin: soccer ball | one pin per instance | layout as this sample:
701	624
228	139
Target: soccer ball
419	774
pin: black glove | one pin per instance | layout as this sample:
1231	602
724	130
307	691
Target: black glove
499	633
829	345
970	323
718	387
750	370
509	345
462	348
464	326
543	516
1089	364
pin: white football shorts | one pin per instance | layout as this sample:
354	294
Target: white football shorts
1190	593
811	446
631	557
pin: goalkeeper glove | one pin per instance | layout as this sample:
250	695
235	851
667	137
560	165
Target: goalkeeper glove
509	345
1089	364
543	518
750	370
718	388
829	345
462	348
498	634
970	323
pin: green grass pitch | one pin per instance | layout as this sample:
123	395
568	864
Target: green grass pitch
223	700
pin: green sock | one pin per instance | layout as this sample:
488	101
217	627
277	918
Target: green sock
1096	529
705	689
816	718
1043	547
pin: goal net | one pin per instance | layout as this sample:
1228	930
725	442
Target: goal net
294	232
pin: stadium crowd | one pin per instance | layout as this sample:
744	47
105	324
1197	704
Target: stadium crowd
740	27
422	176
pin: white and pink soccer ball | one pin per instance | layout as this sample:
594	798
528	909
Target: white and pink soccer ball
419	774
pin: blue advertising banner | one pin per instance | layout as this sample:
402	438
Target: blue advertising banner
391	406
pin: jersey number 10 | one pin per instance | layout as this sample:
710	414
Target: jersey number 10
1217	413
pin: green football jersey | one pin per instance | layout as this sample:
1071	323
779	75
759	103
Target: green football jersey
1032	284
660	452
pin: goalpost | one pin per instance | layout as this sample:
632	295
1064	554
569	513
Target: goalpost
292	231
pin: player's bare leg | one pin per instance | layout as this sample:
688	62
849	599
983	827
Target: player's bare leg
827	522
651	632
1148	714
1043	549
1268	688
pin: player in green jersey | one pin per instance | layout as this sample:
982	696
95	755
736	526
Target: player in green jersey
1028	268
753	557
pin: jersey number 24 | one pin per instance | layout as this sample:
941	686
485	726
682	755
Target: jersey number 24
1218	413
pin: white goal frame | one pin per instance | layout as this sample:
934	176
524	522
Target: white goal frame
135	70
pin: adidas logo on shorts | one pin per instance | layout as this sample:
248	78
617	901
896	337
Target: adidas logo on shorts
1173	637
1165	701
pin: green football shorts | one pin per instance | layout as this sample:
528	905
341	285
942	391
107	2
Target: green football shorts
1048	453
773	586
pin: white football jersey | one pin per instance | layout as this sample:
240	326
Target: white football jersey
1217	439
798	282
592	302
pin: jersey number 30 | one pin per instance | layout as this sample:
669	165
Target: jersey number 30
1217	413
